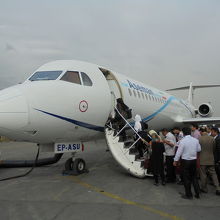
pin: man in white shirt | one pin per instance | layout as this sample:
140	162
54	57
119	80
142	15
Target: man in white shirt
169	144
187	150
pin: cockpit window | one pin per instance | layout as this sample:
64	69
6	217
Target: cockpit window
86	80
71	76
45	75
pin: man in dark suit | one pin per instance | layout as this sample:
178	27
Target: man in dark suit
216	135
207	161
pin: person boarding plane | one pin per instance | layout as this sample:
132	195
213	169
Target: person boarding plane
66	103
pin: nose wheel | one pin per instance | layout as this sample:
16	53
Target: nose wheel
75	166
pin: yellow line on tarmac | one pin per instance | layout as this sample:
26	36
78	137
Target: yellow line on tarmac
125	201
57	196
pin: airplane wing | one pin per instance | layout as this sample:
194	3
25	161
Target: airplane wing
194	87
210	120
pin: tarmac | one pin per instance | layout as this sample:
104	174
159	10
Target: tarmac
106	192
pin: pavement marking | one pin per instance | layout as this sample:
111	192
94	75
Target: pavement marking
123	200
57	196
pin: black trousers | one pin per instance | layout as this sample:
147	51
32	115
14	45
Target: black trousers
217	170
156	177
140	148
171	174
190	177
121	124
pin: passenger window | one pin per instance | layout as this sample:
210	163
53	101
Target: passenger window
138	94
146	96
142	95
86	80
71	76
134	93
129	90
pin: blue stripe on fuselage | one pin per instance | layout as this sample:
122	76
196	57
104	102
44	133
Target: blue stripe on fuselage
159	110
150	117
101	129
81	124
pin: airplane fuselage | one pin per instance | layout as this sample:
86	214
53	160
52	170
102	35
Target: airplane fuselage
56	110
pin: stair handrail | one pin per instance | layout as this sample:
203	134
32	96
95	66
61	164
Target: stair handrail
122	150
127	123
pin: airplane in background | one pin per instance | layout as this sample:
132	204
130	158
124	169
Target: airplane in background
66	103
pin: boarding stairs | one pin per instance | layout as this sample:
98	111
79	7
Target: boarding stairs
124	152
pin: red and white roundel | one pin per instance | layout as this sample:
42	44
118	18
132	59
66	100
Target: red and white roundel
83	106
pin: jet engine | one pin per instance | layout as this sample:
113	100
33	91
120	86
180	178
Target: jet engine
205	110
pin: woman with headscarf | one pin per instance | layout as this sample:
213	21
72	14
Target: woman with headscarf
157	158
137	125
138	129
141	127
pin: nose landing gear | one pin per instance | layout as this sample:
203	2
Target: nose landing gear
75	166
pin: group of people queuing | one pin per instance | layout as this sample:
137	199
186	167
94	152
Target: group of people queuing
188	156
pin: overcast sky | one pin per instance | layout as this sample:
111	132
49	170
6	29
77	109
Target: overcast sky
165	44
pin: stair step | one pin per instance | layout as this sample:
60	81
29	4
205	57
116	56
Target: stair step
129	140
128	144
124	154
133	150
137	157
141	162
134	153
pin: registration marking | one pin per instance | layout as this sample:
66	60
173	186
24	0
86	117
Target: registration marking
67	147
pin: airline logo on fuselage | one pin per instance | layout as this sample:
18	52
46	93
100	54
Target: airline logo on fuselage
140	88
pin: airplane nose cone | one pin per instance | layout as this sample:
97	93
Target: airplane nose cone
13	109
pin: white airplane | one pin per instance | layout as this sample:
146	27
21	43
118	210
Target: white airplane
66	103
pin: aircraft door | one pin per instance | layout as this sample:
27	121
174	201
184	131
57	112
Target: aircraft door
113	84
114	88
